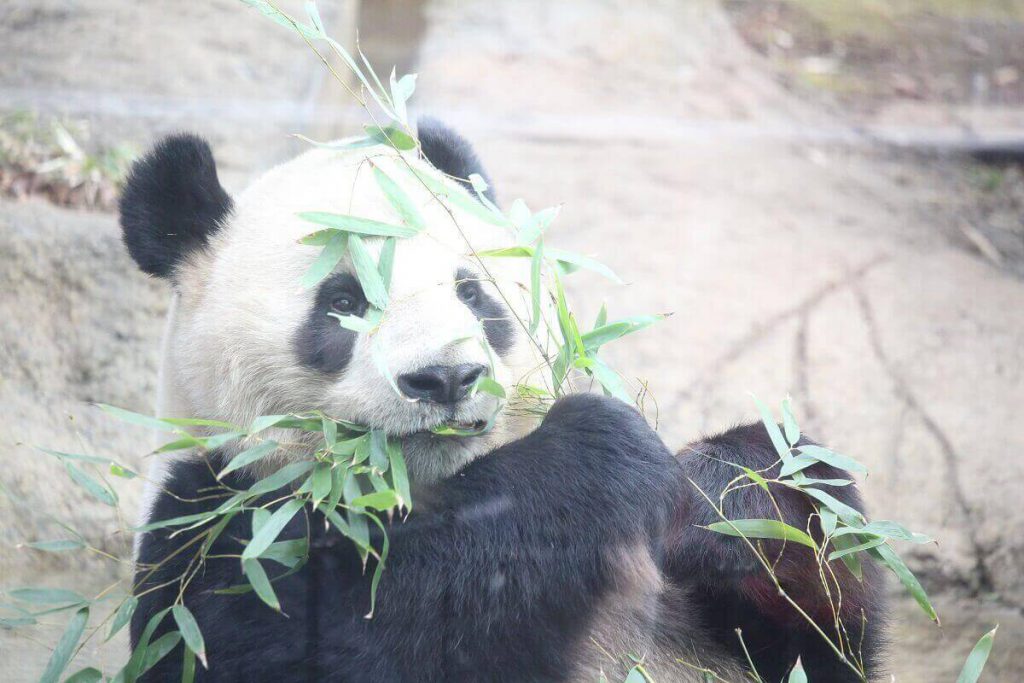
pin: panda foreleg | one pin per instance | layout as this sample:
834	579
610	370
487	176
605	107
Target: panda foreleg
737	592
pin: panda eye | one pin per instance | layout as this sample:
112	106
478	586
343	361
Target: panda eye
468	292
346	304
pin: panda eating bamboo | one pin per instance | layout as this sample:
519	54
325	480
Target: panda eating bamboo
567	546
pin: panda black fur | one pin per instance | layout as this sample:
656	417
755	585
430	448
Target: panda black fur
512	568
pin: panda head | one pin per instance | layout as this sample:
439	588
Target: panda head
245	338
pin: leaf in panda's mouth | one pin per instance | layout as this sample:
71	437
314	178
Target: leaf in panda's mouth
474	428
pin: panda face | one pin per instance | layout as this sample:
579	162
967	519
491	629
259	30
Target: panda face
247	339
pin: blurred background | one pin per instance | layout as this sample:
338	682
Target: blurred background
826	194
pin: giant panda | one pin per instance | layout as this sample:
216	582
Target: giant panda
562	548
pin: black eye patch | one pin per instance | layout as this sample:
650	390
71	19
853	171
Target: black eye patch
492	313
321	343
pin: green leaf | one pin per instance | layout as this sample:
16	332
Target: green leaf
366	270
602	317
62	545
887	529
401	91
386	262
635	675
354	323
87	675
346	144
599	336
852	562
175	521
579	261
975	663
123	615
887	556
91	486
763	528
829	520
846	513
756	478
289	553
399	473
123	472
532	229
380	500
266	422
321	483
282	477
456	196
873	543
609	380
781	447
190	632
199	422
797	673
536	263
133	668
253	570
350	224
487	385
159	649
378	450
789	422
391	136
188	666
269	532
47	596
830	457
796	463
399	200
138	419
248	456
326	262
65	647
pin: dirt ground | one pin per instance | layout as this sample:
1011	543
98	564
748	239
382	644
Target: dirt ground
797	255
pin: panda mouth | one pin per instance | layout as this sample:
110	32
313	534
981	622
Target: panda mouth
461	428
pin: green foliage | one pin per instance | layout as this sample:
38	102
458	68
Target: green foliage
354	475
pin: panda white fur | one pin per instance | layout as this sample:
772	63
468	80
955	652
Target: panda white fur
535	552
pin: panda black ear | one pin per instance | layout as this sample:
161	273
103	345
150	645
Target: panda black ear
172	202
451	153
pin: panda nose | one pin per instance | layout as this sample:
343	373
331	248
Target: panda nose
441	383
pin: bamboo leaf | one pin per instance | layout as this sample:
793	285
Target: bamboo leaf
536	264
62	545
763	528
123	615
138	419
830	457
64	650
386	263
873	543
781	447
248	456
887	556
392	136
282	477
253	571
190	632
976	660
269	532
327	261
366	270
399	473
47	596
349	224
87	675
399	200
789	422
379	500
